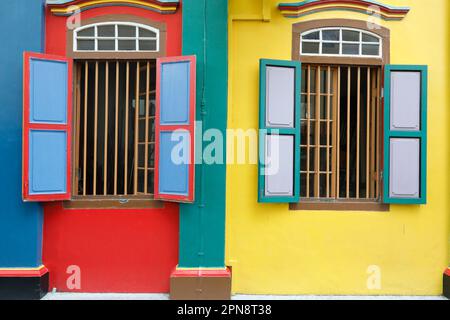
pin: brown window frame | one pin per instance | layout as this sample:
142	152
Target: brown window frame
110	202
337	61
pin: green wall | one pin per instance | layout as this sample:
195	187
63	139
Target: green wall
202	224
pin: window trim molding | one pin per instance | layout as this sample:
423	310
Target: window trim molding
302	27
129	55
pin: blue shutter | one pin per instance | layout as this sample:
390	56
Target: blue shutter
279	138
46	127
175	129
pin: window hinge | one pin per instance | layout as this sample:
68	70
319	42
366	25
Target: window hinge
382	93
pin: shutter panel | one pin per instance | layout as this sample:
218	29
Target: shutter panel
175	129
47	116
279	138
405	134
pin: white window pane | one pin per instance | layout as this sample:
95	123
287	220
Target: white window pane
106	45
85	44
368	38
310	47
350	49
106	31
350	35
127	45
147	45
89	32
330	48
144	33
370	49
331	35
127	31
312	36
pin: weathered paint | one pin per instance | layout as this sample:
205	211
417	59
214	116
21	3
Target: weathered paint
276	251
116	250
21	25
202	224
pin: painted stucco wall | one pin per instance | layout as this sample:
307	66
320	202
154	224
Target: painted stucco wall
21	29
277	251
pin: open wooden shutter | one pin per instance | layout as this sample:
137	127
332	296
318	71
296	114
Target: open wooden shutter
279	138
405	134
175	129
47	114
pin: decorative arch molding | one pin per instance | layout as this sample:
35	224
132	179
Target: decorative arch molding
69	7
368	7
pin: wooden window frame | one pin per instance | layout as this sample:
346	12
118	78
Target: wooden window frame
384	34
118	55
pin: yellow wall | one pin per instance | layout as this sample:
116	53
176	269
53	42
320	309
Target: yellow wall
277	251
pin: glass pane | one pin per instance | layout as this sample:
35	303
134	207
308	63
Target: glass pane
144	33
141	130
332	35
349	35
311	185
304	80
109	45
312	107
147	45
323	107
323	80
127	31
85	44
323	186
141	155
369	38
312	77
310	47
303	106
312	133
303	185
312	153
127	45
312	36
350	49
106	31
330	48
89	32
370	49
303	164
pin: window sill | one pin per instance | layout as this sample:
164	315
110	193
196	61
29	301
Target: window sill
339	206
125	203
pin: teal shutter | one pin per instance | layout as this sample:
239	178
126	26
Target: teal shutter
405	134
279	132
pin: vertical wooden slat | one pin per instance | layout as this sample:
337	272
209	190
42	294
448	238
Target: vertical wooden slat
136	128
358	130
372	135
86	80
94	183
127	96
116	128
328	130
317	137
105	164
348	133
77	129
368	134
147	115
338	134
378	135
333	134
308	130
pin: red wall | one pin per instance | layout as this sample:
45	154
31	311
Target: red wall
116	250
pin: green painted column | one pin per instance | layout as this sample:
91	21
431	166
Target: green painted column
202	224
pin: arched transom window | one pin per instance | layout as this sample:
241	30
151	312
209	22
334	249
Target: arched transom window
340	42
116	37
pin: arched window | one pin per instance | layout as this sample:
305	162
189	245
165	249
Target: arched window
345	42
116	37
